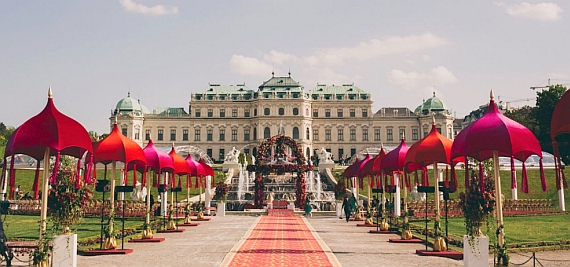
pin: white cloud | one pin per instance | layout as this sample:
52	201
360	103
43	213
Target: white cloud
375	49
426	58
249	66
540	11
157	10
437	76
279	58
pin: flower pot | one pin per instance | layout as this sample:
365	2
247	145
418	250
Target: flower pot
439	244
476	228
369	221
221	209
171	225
187	219
147	233
110	243
384	226
406	234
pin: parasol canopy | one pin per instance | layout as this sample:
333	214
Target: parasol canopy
207	169
352	170
372	167
559	125
395	159
117	147
181	167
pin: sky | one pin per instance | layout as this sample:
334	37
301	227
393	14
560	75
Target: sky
92	53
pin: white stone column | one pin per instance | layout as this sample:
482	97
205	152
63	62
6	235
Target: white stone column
514	190
65	250
354	187
475	251
561	202
163	179
3	196
397	202
207	196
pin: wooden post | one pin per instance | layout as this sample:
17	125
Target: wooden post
436	195
45	193
112	200
498	197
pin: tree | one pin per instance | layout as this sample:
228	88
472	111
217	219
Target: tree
524	116
546	101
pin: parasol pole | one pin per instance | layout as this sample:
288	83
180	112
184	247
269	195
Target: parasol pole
148	195
436	195
383	191
499	200
405	192
112	197
45	193
368	191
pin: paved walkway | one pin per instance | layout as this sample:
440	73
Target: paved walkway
208	244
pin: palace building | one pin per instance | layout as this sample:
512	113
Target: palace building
337	117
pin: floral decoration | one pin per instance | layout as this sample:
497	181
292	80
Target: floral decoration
221	191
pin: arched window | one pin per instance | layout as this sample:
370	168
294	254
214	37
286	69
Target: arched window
295	133
266	132
255	112
308	153
254	151
254	133
266	112
281	111
307	134
295	111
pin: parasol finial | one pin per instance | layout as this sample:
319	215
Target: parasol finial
403	136
50	95
492	95
381	144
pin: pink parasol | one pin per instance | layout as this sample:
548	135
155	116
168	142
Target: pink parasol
196	170
496	135
352	170
559	125
208	171
395	159
46	134
361	170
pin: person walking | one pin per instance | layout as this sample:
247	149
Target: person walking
308	208
346	207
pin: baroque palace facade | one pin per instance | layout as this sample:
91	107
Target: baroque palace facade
336	117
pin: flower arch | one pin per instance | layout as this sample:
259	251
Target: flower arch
280	162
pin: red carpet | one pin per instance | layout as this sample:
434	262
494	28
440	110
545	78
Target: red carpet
280	239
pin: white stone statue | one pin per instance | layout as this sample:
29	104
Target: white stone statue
138	192
324	155
232	155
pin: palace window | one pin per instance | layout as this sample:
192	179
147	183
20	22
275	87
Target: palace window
402	133
315	134
254	133
209	152
376	134
197	113
222	135
185	135
352	152
339	113
266	132
352	134
160	134
137	134
234	113
281	112
340	135
124	131
234	134
209	135
172	134
222	113
295	133
352	113
365	113
255	112
415	134
389	135
295	111
364	134
327	113
147	135
328	135
246	113
222	154
307	134
246	135
315	113
266	112
197	135
210	113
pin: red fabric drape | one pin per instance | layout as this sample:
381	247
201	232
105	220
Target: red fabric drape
513	174
525	179
55	168
542	178
36	185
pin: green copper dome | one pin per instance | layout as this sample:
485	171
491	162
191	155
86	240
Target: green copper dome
129	104
432	104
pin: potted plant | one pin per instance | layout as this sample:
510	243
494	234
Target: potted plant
110	232
171	223
67	197
477	207
187	213
221	195
439	242
405	227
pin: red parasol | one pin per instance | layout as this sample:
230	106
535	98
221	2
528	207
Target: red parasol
46	134
117	147
395	159
181	167
352	170
208	171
